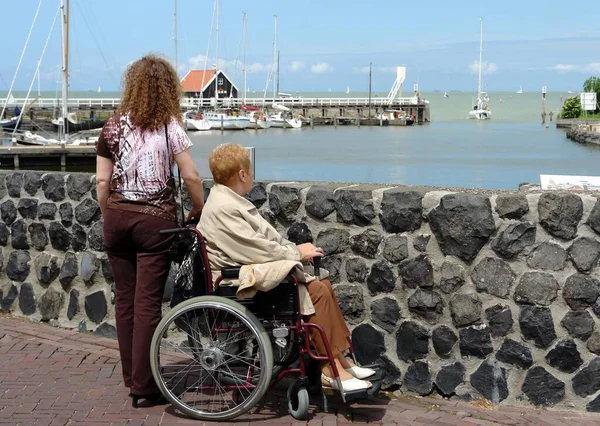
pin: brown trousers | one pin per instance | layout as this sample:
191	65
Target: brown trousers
140	263
329	316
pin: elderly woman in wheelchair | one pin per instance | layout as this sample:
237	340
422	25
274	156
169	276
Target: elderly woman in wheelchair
259	275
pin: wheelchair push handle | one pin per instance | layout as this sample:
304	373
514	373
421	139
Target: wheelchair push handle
317	266
186	227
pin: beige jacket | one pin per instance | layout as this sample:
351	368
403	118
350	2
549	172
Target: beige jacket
237	235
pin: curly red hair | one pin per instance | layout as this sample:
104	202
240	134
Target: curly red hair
151	93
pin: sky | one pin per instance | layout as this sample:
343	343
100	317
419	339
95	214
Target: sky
323	44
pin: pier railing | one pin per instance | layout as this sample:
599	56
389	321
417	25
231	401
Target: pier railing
298	102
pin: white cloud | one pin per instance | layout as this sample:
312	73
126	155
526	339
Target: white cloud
562	68
321	68
487	68
297	66
593	67
361	70
198	62
365	70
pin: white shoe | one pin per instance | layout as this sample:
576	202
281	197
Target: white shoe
349	385
360	372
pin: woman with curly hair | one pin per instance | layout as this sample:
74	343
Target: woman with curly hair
134	179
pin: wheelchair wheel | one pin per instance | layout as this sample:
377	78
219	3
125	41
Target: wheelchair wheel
297	399
211	358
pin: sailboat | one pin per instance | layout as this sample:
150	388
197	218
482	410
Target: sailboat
520	90
347	89
481	111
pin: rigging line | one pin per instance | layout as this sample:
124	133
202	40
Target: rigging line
37	70
21	59
97	44
103	39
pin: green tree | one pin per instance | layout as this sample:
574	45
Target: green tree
571	108
592	84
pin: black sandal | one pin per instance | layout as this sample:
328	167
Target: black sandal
150	400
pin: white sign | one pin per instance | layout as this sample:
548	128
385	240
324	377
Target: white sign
573	183
588	101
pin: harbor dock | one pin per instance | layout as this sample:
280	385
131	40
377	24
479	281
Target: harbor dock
47	157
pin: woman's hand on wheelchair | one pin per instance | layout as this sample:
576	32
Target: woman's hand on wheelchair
194	214
309	251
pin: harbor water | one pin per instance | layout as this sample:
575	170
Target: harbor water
451	151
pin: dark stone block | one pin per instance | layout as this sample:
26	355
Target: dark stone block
284	201
18	231
354	206
299	233
60	238
465	309
542	388
412	341
65	211
475	341
381	278
8	212
401	210
3	190
385	313
333	240
426	304
366	243
560	214
78	237
392	373
69	269
257	195
587	381
27	299
368	344
17	268
493	276
515	353
51	303
594	405
96	236
28	208
462	224
581	291
87	212
421	241
334	265
320	201
452	277
536	288
500	320
39	236
32	182
514	239
579	324
53	186
7	300
584	252
417	272
14	183
46	268
395	248
594	218
106	330
449	377
443	339
548	256
511	206
78	185
73	308
4	234
565	356
95	306
418	378
47	211
352	303
536	324
356	269
107	270
89	266
491	382
593	343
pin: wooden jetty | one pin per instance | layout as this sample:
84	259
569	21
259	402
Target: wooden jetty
57	157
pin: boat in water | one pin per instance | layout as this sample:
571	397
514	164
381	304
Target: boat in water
195	121
481	110
226	119
283	119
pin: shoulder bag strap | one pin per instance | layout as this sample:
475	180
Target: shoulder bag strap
178	190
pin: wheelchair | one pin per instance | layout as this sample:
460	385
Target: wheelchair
215	357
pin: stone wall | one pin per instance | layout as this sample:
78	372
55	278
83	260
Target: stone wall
583	133
464	294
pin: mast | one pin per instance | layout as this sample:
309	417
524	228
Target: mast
278	72
65	67
275	69
175	38
244	52
370	63
480	61
217	58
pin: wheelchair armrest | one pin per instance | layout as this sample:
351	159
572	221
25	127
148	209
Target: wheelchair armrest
233	272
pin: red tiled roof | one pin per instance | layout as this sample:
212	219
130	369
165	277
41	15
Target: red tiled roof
195	80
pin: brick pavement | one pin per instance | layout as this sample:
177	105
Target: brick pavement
51	376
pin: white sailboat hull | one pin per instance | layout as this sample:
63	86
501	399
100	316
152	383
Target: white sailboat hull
480	114
290	123
230	123
259	124
195	124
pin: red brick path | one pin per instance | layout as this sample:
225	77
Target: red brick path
50	376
